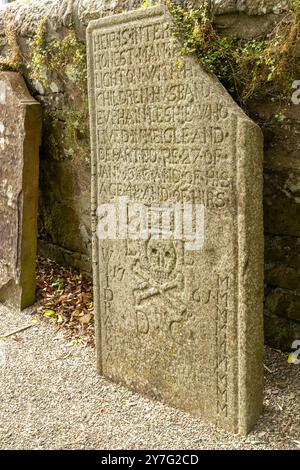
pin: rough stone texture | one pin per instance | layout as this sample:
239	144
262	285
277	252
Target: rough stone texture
180	325
64	221
250	7
282	229
20	131
27	13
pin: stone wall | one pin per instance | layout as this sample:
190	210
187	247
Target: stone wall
50	54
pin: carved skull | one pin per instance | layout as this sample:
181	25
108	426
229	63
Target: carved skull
161	257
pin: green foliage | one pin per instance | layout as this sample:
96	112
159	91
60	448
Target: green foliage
59	283
61	61
296	5
73	129
76	131
149	3
260	68
64	56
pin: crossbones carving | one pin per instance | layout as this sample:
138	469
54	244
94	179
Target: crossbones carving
157	276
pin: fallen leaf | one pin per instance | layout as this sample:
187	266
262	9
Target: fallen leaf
49	313
85	319
72	304
292	358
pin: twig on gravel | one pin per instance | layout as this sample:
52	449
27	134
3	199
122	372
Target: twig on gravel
16	331
267	368
64	356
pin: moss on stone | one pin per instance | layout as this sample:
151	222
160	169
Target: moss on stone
62	56
76	133
264	67
72	127
57	65
14	60
280	332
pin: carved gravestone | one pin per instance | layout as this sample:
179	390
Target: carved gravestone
177	224
20	129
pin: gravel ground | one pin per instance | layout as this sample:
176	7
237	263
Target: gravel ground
52	398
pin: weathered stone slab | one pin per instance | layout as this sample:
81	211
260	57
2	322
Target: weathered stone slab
179	317
20	130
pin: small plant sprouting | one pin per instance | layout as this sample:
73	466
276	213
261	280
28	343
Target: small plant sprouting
149	3
58	56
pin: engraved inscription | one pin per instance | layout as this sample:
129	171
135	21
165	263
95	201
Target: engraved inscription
162	136
108	297
148	146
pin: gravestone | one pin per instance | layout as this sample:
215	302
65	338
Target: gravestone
20	130
177	224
